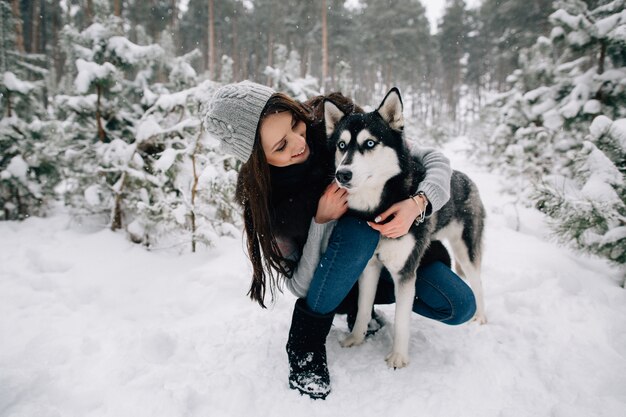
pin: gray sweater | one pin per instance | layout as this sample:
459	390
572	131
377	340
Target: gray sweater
436	187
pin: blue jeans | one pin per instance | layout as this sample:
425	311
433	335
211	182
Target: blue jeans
440	294
350	247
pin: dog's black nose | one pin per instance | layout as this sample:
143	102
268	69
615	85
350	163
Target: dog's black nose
343	176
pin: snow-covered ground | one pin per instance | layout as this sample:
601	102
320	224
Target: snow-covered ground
92	325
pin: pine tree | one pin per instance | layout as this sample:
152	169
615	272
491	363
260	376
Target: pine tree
590	208
285	75
100	156
186	196
562	86
451	37
542	144
28	170
22	163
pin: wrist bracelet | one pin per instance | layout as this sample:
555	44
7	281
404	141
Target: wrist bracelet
422	216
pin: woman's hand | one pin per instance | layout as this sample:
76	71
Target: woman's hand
332	205
405	212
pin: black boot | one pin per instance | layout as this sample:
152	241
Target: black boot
306	351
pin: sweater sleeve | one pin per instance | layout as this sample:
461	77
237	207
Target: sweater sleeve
436	184
316	243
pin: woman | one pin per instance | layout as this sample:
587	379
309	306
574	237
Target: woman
295	228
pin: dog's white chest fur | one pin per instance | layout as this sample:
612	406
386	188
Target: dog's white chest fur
393	253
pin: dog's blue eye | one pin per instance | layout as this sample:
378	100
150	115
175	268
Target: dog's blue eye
370	144
341	145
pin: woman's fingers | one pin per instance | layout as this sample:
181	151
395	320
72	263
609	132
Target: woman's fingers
391	230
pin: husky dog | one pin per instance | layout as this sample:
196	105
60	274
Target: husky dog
374	164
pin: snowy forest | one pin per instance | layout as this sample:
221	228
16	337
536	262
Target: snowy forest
102	101
123	269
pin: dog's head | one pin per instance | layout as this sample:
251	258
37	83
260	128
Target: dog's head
368	146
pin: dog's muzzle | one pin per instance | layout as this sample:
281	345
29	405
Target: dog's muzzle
343	176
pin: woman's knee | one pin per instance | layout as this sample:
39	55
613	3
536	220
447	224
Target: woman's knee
358	236
459	294
464	306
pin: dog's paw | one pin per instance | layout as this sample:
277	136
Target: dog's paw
352	340
397	360
480	319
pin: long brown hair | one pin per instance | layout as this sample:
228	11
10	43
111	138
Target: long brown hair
254	192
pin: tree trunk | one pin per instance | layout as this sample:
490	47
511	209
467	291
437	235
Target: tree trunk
270	53
116	221
175	27
243	59
211	57
324	45
19	34
194	190
602	56
9	112
89	13
43	27
304	61
101	134
234	53
35	21
57	54
117	8
174	20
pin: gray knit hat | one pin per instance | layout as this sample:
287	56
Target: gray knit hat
233	116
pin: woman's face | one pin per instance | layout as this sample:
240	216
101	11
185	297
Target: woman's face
283	138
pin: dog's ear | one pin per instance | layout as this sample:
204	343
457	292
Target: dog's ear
332	116
391	109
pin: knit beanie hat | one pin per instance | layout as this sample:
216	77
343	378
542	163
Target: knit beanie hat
233	116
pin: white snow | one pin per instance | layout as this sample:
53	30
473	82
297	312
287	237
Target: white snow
552	120
136	229
562	16
93	325
89	72
600	126
17	168
78	104
180	214
609	23
147	129
613	235
12	83
592	107
166	160
602	175
116	153
556	32
92	195
618	132
132	53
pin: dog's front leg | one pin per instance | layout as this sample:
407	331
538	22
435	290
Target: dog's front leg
367	292
405	296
